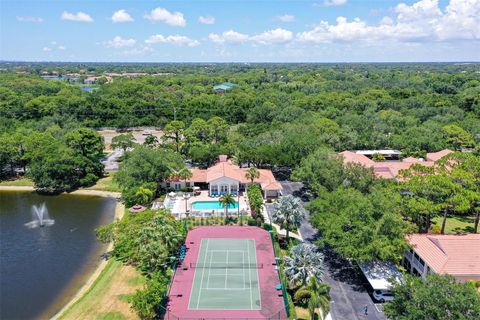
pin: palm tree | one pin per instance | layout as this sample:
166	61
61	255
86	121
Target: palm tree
226	200
252	174
320	297
304	263
185	174
288	212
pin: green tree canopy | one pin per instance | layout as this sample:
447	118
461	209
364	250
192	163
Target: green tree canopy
435	298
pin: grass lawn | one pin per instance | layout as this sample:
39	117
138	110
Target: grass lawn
20	182
105	184
107	299
456	224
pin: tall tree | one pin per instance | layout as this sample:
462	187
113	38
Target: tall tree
304	263
174	131
361	227
123	141
437	297
252	174
288	213
227	201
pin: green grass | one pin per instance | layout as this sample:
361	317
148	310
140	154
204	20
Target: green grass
106	184
20	182
455	224
110	316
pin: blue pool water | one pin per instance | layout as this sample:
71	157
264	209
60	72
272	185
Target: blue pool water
210	205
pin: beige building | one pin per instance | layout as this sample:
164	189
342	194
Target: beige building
456	255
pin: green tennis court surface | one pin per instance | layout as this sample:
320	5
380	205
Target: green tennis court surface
226	276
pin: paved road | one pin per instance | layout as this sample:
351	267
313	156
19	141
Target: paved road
110	161
349	296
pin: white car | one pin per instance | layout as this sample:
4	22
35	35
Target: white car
147	132
383	296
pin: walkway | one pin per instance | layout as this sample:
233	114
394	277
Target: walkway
348	293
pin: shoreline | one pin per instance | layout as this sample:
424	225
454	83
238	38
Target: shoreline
119	212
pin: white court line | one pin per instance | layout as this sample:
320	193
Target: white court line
249	276
209	273
227	250
203	273
243	273
226	271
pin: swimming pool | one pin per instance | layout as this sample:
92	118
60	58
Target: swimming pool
211	205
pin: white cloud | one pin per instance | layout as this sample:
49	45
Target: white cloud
206	20
285	18
119	42
175	19
62	47
228	36
29	19
142	50
46	49
423	20
173	39
79	16
332	3
121	16
278	35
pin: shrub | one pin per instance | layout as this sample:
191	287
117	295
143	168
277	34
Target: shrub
255	198
148	302
302	296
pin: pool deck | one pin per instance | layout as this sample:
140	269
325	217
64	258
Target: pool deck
179	207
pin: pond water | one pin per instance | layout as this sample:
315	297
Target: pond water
41	268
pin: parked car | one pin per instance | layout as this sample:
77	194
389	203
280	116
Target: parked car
147	132
383	296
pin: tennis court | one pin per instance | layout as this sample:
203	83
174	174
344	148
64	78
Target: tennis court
228	272
226	276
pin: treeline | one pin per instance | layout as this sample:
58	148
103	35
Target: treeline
415	108
57	160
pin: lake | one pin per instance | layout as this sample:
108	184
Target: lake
42	268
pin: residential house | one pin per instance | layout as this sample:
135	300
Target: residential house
456	255
223	87
390	169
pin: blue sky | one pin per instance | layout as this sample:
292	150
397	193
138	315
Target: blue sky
240	31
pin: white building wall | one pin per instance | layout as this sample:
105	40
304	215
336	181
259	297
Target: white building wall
224	184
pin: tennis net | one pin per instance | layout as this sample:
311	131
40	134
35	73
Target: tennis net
194	265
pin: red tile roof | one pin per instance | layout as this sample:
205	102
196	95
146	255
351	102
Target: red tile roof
225	168
434	156
352	157
452	254
386	169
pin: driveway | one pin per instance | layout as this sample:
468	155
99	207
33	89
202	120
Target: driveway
348	293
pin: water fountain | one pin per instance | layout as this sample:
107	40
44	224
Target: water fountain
40	217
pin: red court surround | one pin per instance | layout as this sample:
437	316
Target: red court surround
271	299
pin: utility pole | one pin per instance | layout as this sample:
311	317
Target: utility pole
174	113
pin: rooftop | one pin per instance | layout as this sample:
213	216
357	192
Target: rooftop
452	254
390	169
225	168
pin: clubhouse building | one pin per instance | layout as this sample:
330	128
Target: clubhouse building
226	177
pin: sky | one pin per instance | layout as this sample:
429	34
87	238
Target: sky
240	30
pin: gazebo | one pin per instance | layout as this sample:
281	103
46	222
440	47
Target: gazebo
137	208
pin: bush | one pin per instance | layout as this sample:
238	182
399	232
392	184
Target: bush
302	296
251	222
148	303
255	198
